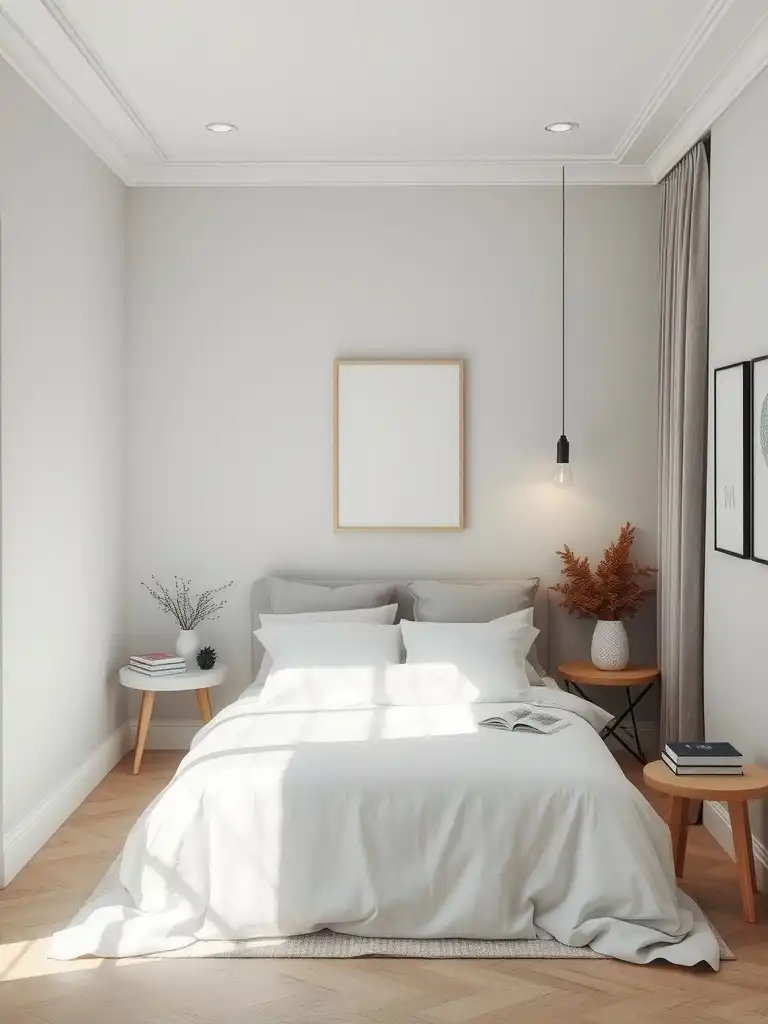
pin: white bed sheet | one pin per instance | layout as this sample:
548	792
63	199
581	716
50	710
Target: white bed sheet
397	821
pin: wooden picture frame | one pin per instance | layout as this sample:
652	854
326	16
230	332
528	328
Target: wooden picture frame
398	444
759	459
732	459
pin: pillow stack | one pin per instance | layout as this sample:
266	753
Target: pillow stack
296	603
331	664
338	646
478	602
489	655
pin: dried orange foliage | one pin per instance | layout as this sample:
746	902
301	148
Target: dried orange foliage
612	591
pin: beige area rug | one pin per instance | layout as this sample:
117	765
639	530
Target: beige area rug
333	945
326	944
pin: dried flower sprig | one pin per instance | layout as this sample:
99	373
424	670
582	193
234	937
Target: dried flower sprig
189	612
610	592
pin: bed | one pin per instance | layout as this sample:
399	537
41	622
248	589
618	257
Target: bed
403	821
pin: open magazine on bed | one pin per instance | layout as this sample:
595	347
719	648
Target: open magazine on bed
527	718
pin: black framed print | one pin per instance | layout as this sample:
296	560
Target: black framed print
732	459
760	459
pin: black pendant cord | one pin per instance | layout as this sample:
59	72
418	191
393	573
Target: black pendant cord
563	472
563	301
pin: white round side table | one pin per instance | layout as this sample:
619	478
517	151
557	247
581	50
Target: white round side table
199	680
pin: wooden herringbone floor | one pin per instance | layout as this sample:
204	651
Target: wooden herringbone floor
36	991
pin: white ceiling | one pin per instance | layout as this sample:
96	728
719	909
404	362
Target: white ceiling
370	91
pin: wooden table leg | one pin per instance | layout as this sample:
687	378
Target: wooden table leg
204	704
145	713
745	861
679	813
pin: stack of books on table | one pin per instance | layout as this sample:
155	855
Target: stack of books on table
703	759
158	664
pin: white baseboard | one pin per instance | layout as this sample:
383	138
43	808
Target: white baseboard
169	733
718	824
30	835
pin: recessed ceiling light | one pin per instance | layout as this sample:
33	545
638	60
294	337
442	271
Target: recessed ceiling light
221	126
562	126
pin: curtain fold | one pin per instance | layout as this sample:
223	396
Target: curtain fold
682	443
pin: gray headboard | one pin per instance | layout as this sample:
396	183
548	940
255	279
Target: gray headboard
260	603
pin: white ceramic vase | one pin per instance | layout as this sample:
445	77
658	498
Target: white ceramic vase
610	646
187	644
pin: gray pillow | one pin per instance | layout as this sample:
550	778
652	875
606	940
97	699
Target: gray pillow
287	597
471	602
477	602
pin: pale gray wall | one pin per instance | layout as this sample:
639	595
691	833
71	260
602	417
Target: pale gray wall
736	612
241	298
63	221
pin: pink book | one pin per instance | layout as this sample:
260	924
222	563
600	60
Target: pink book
156	658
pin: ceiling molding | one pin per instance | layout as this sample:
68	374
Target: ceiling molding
89	55
42	45
34	67
692	46
464	172
745	65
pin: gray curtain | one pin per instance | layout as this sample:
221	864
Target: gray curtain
683	377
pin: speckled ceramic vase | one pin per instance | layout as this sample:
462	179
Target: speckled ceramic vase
610	646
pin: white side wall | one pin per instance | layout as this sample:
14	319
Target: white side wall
736	638
63	224
241	298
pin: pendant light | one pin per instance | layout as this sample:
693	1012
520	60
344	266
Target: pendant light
562	475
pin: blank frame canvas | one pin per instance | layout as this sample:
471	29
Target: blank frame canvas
399	444
731	459
760	459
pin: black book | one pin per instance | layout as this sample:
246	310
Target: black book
708	769
701	754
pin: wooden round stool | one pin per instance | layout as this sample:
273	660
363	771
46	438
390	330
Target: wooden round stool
197	679
736	790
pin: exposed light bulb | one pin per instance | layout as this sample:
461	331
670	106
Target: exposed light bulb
563	474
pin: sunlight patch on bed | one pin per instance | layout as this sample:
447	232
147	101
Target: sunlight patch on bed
323	687
434	720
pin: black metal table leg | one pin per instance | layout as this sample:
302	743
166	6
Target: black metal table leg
616	724
634	725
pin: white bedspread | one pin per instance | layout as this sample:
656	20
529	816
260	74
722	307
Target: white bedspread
398	821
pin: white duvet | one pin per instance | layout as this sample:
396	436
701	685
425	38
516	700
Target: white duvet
396	821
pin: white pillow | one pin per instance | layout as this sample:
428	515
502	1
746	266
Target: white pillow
327	664
533	670
491	655
385	615
535	678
